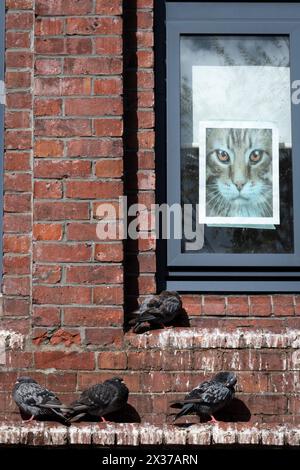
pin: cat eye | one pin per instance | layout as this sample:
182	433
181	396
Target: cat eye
223	156
256	156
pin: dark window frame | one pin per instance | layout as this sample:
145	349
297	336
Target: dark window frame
218	272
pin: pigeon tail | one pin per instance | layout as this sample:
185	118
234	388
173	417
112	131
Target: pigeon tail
184	411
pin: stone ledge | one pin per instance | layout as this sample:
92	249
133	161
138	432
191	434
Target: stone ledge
110	435
204	338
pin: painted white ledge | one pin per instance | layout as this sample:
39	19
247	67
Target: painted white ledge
46	434
188	338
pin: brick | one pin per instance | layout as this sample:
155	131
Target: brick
79	46
112	360
16	223
94	25
108	86
46	45
16	265
146	180
19	59
108	295
94	274
16	286
48	189
19	20
64	361
19	4
46	316
17	161
61	168
93	316
108	45
109	168
21	100
17	202
145	59
283	305
156	382
47	274
93	107
53	86
142	80
47	232
17	119
47	107
48	148
260	305
93	189
109	252
104	337
61	210
108	7
15	307
238	305
62	252
94	148
17	182
17	140
108	127
17	79
64	7
82	232
62	127
48	66
65	382
266	404
93	66
61	295
145	119
214	305
16	243
49	26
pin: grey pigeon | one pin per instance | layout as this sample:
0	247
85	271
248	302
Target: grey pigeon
35	400
210	396
158	310
100	399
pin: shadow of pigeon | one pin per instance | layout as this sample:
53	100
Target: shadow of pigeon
127	414
235	411
182	319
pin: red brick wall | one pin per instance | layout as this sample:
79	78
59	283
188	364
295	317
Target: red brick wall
80	131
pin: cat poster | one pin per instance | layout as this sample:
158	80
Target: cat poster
238	173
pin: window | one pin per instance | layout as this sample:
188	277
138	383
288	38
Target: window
233	145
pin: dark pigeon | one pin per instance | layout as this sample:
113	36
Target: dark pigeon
100	399
209	397
35	400
157	310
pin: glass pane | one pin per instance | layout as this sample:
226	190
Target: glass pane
236	144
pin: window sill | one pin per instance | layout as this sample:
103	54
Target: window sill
114	435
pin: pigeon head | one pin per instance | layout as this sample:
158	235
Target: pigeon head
115	380
226	378
24	380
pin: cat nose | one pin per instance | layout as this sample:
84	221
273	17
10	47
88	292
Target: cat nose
240	185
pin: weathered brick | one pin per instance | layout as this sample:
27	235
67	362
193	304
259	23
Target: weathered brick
61	295
49	26
108	295
48	148
64	361
104	337
62	252
17	202
61	210
64	7
46	316
18	182
47	232
93	66
93	107
16	223
94	148
108	45
107	252
108	86
19	20
93	316
16	243
48	66
16	161
108	127
47	274
61	168
47	107
16	307
112	360
95	274
62	127
48	189
16	264
283	305
17	119
93	189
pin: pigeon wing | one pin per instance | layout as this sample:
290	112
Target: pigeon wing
97	397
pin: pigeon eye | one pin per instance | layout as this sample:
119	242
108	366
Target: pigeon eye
223	156
256	156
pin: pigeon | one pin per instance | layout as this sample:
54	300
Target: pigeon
209	397
35	400
100	399
157	310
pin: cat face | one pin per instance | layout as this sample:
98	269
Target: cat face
239	172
